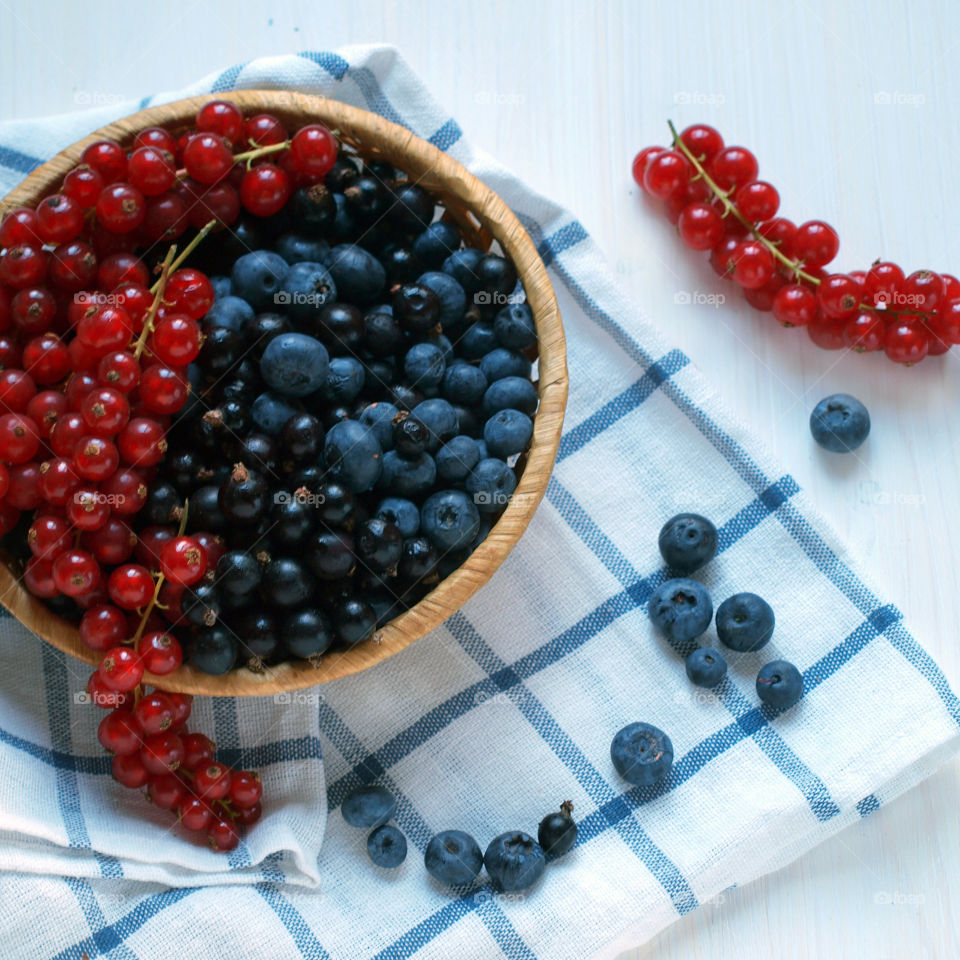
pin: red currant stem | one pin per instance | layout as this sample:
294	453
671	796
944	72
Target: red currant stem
730	207
157	290
188	249
260	152
145	616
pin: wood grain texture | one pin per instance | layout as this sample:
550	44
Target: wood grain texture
564	93
483	217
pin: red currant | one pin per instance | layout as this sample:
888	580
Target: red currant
702	141
905	341
121	667
151	171
109	328
212	781
161	652
245	789
128	770
197	751
795	306
194	814
24	490
19	438
264	191
816	243
189	292
827	332
753	264
121	268
248	816
313	151
75	572
111	543
264	130
182	703
162	752
103	627
156	137
38	577
839	296
700	226
220	202
733	167
183	561
177	340
108	158
95	458
119	370
154	712
57	481
923	291
73	266
131	586
141	442
59	219
223	835
105	410
45	409
165	219
24	266
20	226
88	508
136	299
640	162
162	389
207	158
780	232
119	733
125	491
667	174
757	200
166	791
83	185
49	536
221	118
17	389
121	208
33	310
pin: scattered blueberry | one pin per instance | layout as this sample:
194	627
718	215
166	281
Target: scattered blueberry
681	609
500	363
450	520
257	277
457	458
368	807
304	291
514	860
514	327
688	542
359	276
558	831
507	433
840	423
453	857
352	455
294	364
491	484
387	846
745	622
642	754
706	667
231	312
516	393
779	684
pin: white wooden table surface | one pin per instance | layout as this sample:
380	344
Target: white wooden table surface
852	111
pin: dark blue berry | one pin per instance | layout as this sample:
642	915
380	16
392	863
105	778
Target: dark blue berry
779	684
491	485
507	433
642	754
296	248
270	411
408	476
330	555
257	276
304	291
359	276
745	622
450	520
418	560
457	458
516	393
212	650
687	542
417	308
424	365
387	846
306	633
514	860
230	312
436	243
681	609
500	363
353	455
355	621
706	667
840	423
462	266
464	383
379	418
404	514
378	544
294	364
453	299
440	419
514	327
368	807
345	379
558	831
286	583
453	857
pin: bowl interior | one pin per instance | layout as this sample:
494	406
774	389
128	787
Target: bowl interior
484	219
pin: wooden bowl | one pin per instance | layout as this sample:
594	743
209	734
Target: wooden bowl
483	218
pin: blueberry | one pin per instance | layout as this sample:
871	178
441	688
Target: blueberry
406	476
345	379
359	276
387	846
642	754
368	807
355	621
687	542
681	609
478	341
382	335
779	684
353	455
436	243
270	411
379	418
453	298
257	276
221	287
463	383
706	667
558	832
404	514
450	520
516	393
515	861
424	365
491	484
440	419
507	432
745	622
500	363
306	633
462	266
514	327
294	364
840	423
457	458
212	650
497	275
295	248
304	291
286	583
453	857
230	312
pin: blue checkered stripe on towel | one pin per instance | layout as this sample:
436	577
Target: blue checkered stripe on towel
355	754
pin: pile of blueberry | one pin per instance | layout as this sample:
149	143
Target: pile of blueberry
682	610
513	860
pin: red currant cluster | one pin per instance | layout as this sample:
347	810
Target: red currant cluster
92	368
711	192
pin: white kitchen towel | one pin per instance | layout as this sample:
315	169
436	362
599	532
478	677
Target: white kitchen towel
494	719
